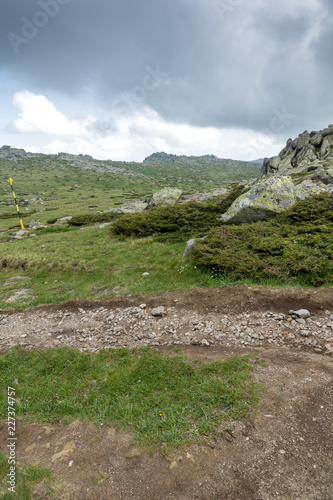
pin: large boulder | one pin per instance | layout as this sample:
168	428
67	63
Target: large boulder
166	197
266	198
302	140
327	146
327	131
326	176
317	139
306	156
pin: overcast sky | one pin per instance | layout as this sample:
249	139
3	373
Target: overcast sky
121	79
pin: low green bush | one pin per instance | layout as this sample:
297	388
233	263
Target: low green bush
297	245
88	219
315	209
182	218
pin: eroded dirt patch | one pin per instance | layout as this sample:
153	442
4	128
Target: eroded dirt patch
286	452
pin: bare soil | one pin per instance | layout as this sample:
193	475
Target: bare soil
283	452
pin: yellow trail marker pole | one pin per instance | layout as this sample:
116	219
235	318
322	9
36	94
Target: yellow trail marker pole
10	180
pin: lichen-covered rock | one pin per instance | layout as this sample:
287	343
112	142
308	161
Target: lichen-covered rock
303	140
317	139
265	200
166	197
327	131
308	188
327	146
326	176
306	156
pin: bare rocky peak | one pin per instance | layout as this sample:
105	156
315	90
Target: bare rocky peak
307	152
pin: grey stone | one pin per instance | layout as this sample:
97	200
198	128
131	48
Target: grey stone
326	176
130	208
158	311
36	225
327	131
306	156
20	234
302	313
303	140
63	220
317	139
190	245
327	146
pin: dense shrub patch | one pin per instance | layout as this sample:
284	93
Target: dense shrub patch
298	244
87	219
183	218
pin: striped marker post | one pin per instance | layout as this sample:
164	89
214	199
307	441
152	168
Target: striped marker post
10	180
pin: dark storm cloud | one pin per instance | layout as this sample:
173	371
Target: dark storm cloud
227	63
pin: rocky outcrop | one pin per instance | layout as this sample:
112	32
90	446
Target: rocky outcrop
305	153
166	197
266	198
130	208
199	161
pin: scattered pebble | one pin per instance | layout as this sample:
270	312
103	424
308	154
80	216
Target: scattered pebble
103	327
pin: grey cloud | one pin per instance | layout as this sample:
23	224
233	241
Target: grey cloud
239	71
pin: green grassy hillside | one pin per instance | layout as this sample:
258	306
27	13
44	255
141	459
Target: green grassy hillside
54	186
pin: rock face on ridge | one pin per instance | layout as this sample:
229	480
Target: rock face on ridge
307	152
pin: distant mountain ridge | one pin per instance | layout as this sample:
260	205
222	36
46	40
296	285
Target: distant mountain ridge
158	169
15	154
167	158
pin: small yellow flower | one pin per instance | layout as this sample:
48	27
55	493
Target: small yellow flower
160	414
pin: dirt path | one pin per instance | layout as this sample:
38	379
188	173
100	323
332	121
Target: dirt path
285	453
